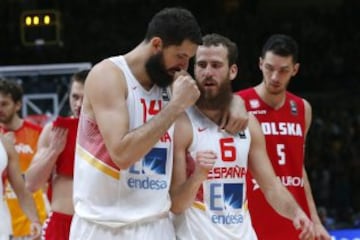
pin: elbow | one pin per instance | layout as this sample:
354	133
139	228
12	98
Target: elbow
123	160
122	163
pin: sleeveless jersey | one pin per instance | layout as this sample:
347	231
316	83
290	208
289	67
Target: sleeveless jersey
26	138
220	209
65	162
115	197
284	131
5	225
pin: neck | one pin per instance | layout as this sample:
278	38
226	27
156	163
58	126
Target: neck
213	115
273	100
136	61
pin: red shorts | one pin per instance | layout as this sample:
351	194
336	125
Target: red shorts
57	226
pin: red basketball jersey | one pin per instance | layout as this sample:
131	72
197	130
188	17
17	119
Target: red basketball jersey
65	162
284	130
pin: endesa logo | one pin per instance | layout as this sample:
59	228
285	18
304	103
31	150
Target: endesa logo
227	200
153	164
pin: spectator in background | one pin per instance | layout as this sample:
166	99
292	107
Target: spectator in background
24	135
326	220
54	160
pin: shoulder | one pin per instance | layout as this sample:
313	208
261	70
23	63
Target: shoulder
31	125
105	69
307	105
105	76
244	92
292	96
299	100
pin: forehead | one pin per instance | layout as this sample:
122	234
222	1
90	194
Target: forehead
273	59
5	96
77	86
186	49
212	54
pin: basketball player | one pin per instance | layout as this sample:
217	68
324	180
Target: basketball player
210	166
54	160
123	157
24	135
10	170
285	120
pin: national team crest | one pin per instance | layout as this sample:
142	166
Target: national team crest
293	108
254	103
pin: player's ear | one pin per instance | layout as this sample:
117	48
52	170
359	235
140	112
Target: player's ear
233	71
261	61
296	69
156	44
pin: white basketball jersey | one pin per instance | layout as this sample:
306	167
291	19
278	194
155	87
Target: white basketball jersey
5	225
105	194
220	208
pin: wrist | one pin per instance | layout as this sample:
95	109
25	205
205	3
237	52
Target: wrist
176	107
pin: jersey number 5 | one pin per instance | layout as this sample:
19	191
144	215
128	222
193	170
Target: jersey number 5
280	149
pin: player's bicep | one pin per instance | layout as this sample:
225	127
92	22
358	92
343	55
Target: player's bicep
106	89
182	140
259	162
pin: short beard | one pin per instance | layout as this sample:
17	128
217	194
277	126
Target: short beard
157	72
7	120
219	102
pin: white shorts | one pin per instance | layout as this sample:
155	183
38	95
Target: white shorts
82	229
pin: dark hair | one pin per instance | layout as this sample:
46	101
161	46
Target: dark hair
173	26
11	88
215	39
282	45
80	76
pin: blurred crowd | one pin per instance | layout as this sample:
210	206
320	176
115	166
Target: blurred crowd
333	164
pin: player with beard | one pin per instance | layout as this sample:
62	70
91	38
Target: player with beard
54	162
123	160
208	188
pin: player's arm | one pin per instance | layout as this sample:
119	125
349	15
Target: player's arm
50	145
236	118
105	96
17	182
320	231
275	193
183	190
